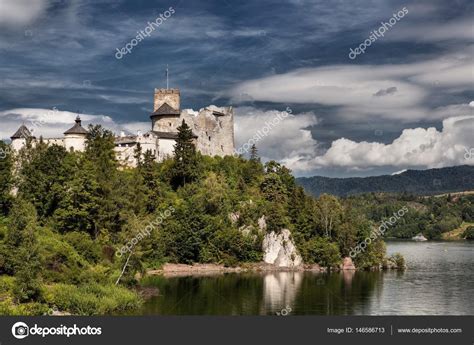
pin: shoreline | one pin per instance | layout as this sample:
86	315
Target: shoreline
181	270
175	270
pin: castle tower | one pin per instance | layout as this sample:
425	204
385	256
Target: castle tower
20	137
165	117
75	137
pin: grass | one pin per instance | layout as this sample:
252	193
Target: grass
91	299
457	233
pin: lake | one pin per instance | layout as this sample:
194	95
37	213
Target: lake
439	281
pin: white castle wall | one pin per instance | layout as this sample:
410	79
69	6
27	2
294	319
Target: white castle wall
75	142
165	148
213	126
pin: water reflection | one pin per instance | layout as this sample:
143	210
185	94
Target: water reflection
439	280
280	289
263	294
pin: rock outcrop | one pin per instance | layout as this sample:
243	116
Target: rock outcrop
280	250
347	264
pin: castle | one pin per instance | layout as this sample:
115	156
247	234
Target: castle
213	130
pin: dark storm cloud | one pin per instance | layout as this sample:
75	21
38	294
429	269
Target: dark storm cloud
57	53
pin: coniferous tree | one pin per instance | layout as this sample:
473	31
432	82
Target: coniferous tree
100	152
42	177
184	169
137	154
80	197
151	179
22	250
254	154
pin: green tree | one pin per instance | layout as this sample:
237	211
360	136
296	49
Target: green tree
23	254
254	154
80	197
329	212
42	177
322	251
6	166
100	153
185	162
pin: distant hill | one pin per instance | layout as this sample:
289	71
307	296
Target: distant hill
421	182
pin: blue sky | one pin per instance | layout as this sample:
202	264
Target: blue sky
404	103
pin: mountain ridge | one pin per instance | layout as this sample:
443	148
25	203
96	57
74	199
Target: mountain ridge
420	182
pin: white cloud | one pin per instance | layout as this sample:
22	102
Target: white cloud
21	12
459	29
49	123
291	137
360	91
416	147
290	141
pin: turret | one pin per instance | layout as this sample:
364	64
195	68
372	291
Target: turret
20	137
165	117
75	137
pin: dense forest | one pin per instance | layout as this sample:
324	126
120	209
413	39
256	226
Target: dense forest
419	182
65	218
432	216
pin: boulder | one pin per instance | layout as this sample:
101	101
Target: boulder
313	267
347	264
280	250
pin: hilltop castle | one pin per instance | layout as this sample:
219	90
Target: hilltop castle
213	130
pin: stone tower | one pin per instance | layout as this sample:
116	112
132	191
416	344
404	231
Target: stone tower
20	137
166	112
75	137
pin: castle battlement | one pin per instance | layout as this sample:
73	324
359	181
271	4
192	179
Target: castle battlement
165	91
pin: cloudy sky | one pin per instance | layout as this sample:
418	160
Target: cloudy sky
405	103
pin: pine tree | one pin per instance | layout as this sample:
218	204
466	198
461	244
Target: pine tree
100	152
137	154
151	179
22	251
254	154
184	168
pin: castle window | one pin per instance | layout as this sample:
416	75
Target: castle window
222	147
209	138
169	123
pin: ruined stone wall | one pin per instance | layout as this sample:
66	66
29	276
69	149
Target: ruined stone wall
215	132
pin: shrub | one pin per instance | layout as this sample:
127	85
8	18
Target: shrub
469	233
398	260
321	251
84	245
61	261
8	307
91	299
372	257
